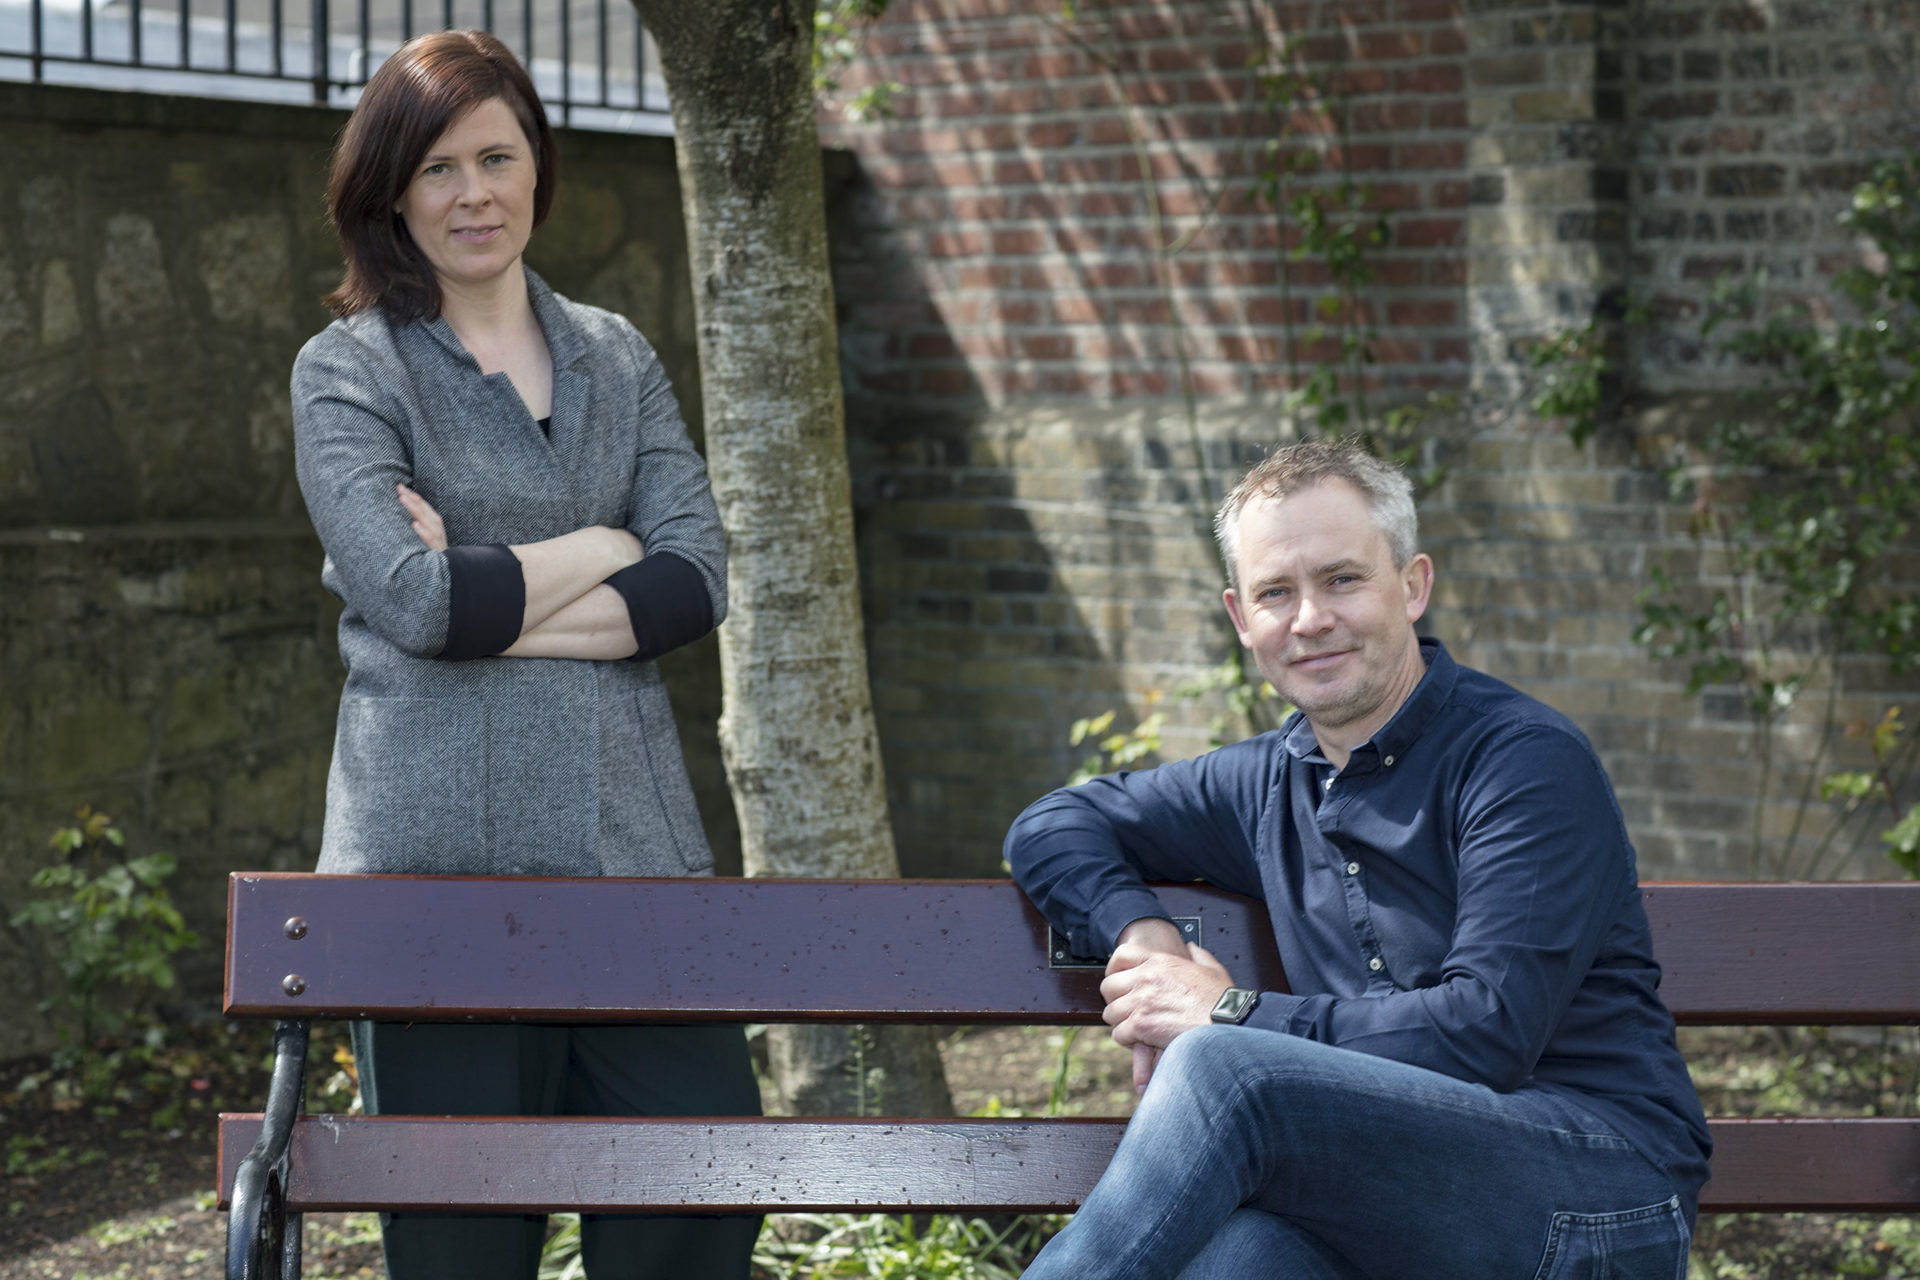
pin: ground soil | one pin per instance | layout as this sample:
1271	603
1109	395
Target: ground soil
122	1189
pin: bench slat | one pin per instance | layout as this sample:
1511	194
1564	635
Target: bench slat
780	1164
1788	954
933	951
613	950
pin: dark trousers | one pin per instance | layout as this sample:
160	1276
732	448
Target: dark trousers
441	1069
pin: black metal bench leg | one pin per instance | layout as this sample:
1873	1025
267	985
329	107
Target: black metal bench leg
259	1243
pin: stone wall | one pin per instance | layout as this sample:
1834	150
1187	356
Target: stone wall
166	652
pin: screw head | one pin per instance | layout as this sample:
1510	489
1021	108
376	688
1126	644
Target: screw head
296	928
293	984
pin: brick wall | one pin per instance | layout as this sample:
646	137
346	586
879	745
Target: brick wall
1753	123
1033	498
1016	190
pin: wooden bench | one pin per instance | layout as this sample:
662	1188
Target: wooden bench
405	948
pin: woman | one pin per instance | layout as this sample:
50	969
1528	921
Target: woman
517	524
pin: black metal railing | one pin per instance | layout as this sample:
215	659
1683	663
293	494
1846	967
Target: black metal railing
590	59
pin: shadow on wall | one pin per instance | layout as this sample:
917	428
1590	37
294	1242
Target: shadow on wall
1023	567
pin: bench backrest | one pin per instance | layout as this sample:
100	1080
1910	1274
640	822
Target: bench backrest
959	951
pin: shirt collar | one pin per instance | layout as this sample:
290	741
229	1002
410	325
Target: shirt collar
1398	735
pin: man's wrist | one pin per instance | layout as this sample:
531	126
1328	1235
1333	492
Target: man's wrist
1234	1005
1155	932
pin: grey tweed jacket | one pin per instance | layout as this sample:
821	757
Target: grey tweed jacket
495	766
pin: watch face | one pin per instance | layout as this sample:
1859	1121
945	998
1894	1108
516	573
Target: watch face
1235	1003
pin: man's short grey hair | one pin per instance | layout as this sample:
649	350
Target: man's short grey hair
1294	467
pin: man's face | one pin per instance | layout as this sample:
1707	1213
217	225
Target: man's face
1327	614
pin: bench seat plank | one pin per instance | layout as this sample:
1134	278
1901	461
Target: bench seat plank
782	1164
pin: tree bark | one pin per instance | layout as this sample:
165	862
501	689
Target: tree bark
796	729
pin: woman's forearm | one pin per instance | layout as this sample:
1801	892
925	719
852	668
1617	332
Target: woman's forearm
594	626
562	571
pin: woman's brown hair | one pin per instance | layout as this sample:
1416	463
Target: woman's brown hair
412	99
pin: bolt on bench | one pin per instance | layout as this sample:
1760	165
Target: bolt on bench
453	949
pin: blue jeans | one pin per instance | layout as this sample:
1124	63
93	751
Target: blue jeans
1255	1154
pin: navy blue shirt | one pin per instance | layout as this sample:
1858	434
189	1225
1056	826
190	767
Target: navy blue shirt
1461	896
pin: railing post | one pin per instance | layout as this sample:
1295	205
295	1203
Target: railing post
320	41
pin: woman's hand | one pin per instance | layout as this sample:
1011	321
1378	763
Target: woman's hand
426	521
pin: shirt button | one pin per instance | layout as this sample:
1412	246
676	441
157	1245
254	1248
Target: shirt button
1374	964
1389	762
1327	785
1353	868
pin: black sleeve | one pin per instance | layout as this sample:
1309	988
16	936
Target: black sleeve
488	601
667	603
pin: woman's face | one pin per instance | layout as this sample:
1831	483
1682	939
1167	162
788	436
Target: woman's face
470	204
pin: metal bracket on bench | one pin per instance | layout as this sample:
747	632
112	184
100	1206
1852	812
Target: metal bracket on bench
1060	954
263	1239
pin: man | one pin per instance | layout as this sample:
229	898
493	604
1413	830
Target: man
1472	1077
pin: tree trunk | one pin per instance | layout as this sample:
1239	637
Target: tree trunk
797	729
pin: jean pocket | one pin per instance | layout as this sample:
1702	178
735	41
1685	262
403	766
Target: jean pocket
1632	1244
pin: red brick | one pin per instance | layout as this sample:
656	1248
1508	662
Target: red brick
1106	131
1428	11
1446	271
1116	275
1447	115
1386	117
1078	239
1446	42
1439	77
1364	158
1354	81
1045	346
1399	273
1053	66
1150	93
1019	100
1208	382
1141	310
1076	310
1423	311
1237	272
945	173
1395	350
954	244
1052	133
1450	350
1017	241
985	346
1087	169
1272	310
1063	382
1173	57
1248	349
1147	383
981	208
1385	46
1430	155
1108	204
1214	88
1390	196
1415	233
964	103
1451	194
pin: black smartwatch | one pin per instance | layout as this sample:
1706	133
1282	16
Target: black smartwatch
1235	1004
